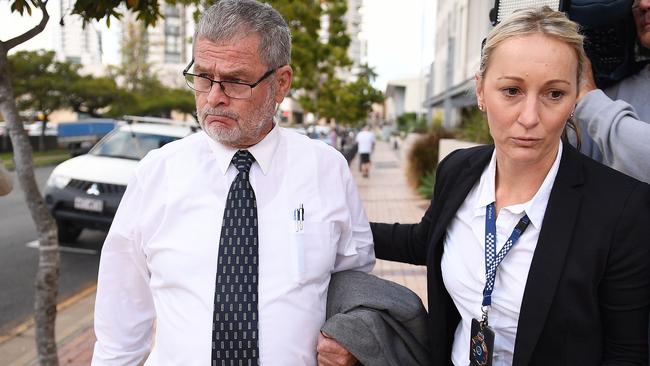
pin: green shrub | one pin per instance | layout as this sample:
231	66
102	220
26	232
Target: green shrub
474	127
423	156
409	122
427	181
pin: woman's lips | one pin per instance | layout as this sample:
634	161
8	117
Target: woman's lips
526	141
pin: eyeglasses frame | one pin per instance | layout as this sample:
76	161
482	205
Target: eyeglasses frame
212	81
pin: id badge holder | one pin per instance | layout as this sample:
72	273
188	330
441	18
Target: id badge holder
481	344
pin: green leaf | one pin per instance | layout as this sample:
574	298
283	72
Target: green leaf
427	182
18	6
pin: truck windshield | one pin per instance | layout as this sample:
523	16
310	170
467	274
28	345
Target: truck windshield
129	145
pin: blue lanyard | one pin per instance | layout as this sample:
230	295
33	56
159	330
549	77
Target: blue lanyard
492	259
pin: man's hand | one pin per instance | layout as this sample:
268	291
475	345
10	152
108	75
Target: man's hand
331	353
588	83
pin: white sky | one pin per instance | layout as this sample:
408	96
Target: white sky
13	24
400	35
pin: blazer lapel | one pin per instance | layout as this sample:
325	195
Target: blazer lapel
458	189
550	254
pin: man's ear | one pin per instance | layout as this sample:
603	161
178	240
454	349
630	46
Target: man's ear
284	76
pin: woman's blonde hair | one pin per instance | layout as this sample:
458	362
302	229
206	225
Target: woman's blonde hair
530	21
537	20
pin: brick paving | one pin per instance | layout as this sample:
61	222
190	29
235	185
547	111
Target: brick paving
78	350
386	198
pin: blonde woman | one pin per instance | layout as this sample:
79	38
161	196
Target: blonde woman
536	254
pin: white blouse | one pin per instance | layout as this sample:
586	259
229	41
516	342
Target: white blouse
463	263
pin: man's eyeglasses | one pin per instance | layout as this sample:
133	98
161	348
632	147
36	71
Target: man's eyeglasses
233	89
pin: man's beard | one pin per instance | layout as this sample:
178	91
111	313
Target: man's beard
243	130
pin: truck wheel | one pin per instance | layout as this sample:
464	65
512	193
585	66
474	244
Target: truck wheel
68	233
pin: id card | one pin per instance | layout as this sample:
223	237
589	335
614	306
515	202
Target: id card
481	345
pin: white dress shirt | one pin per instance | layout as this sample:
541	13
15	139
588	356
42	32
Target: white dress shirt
463	263
159	261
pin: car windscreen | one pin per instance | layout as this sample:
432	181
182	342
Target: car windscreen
129	145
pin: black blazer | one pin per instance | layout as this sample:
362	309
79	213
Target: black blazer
587	295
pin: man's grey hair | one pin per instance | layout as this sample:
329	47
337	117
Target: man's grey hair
231	20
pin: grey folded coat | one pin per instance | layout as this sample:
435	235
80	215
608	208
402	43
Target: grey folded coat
378	321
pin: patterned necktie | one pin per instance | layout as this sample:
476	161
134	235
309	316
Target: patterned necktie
234	326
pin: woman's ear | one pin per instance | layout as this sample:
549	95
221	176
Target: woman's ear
479	92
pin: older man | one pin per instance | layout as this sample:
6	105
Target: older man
226	239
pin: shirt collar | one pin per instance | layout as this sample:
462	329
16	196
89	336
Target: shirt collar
486	188
263	151
535	208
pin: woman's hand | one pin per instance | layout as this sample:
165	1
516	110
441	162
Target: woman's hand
331	353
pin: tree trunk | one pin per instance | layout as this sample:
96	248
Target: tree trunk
47	277
41	137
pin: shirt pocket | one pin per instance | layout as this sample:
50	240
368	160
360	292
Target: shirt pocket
313	252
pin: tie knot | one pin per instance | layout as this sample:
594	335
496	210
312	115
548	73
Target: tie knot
243	160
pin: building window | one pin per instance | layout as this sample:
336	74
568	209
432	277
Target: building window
172	29
73	59
173	35
172	11
172	58
173	46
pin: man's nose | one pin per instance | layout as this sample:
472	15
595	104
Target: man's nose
216	96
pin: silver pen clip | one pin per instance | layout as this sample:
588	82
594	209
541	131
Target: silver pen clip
299	217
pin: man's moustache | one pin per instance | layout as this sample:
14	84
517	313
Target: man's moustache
219	113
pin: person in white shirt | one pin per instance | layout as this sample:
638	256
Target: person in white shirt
365	145
536	254
197	269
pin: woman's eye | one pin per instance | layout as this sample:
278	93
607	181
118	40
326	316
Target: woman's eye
510	92
556	94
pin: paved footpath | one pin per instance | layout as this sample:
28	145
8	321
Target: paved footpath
386	198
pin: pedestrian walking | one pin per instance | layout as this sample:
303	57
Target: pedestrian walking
366	144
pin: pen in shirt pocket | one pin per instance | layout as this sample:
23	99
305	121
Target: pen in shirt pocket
299	217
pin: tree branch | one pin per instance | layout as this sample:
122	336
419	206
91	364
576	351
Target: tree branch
32	32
